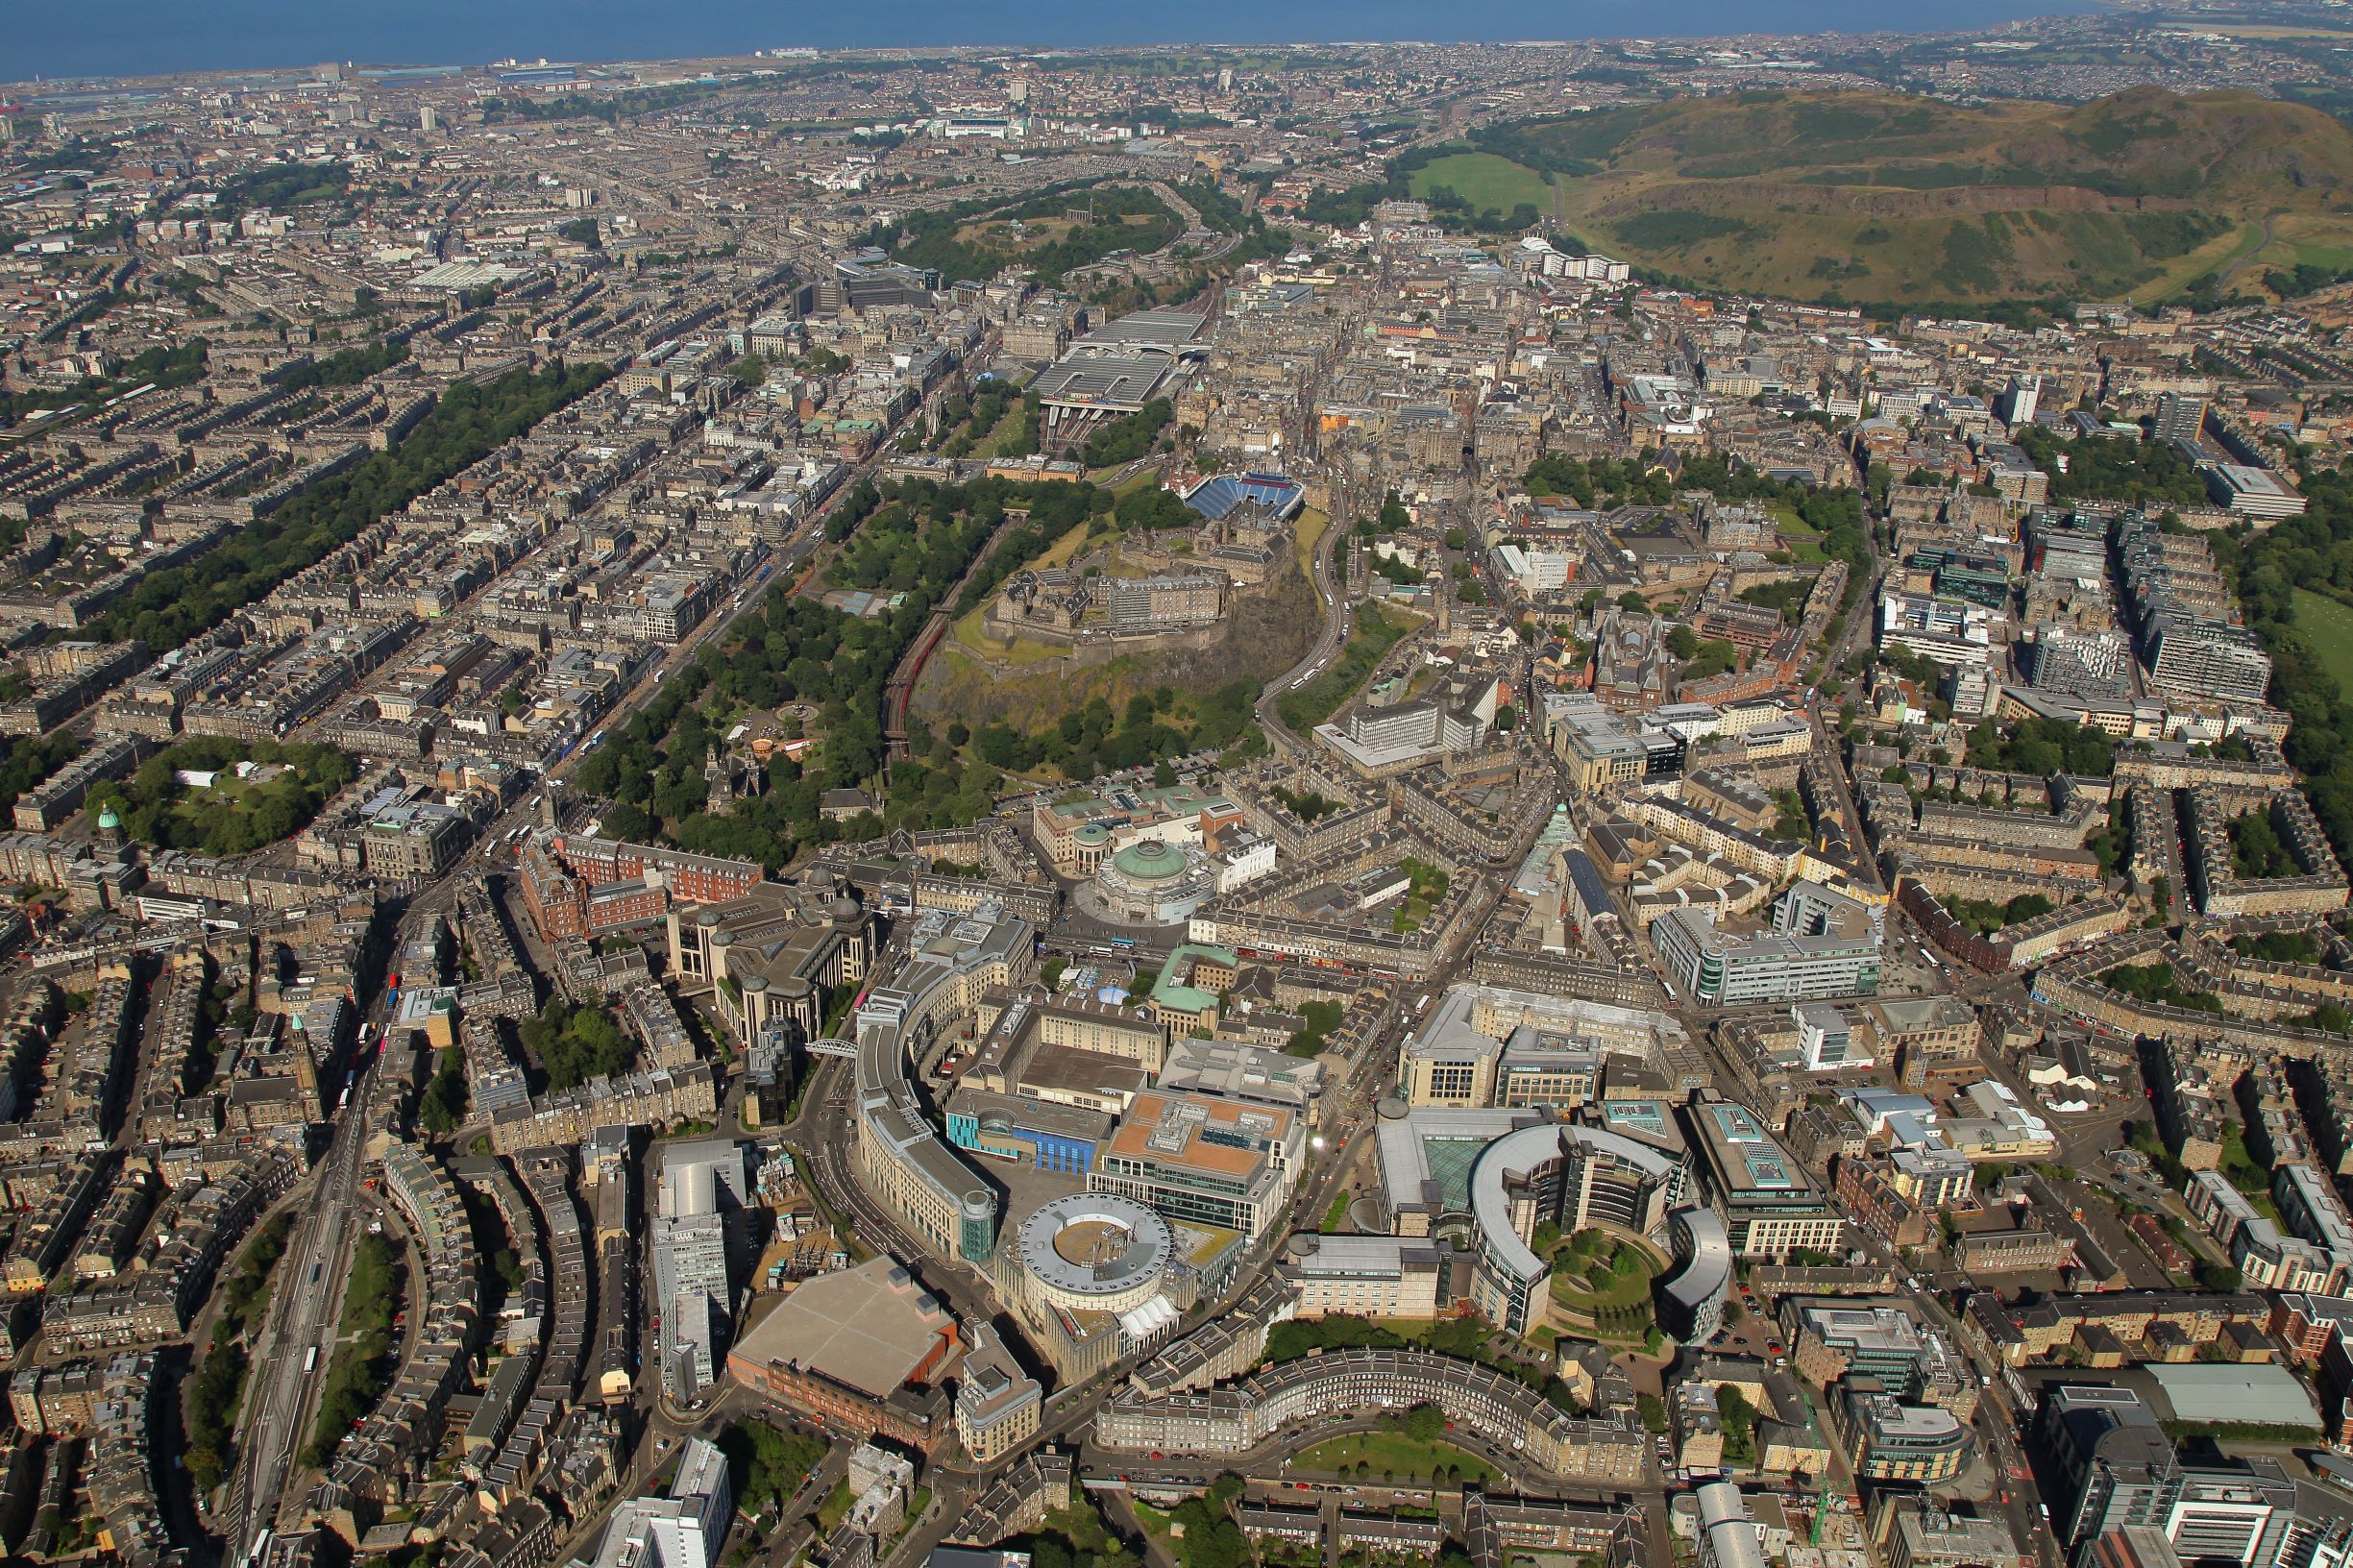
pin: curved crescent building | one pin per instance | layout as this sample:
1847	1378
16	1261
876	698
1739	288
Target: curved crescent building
1298	1395
947	960
1568	1176
1486	1180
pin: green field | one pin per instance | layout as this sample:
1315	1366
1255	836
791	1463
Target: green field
1389	1454
1802	543
2329	627
1485	180
1004	436
1601	1286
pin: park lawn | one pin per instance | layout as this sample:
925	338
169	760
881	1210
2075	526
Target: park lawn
1485	180
1618	1311
1062	549
992	442
193	811
969	633
1021	650
2327	624
2328	249
1336	1215
1392	1454
1800	540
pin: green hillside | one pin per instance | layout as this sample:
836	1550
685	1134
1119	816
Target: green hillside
1885	199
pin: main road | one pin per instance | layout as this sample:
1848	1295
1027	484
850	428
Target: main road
304	1315
307	1298
1329	640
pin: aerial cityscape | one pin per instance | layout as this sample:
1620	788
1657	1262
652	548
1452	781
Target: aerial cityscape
1552	804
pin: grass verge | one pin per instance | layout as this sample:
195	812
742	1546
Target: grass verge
363	1347
1377	631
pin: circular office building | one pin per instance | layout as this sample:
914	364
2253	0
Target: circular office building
1151	883
1094	1252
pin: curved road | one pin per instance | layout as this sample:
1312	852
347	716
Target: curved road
1329	641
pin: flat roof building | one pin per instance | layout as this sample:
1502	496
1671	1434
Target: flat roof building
1204	1157
860	1350
2252	492
1717	968
947	960
682	1529
1771	1207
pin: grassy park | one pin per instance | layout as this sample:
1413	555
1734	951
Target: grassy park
1390	1453
1485	180
1377	631
2327	625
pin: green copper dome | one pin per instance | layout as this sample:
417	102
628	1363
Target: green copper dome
1150	861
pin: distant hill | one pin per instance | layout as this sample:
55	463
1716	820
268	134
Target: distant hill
1884	199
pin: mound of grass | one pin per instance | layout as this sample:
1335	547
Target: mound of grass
1802	177
1972	252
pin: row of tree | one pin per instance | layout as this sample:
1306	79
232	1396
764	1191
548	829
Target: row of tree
919	541
469	422
2313	552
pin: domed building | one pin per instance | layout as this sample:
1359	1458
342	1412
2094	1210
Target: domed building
1095	1252
1089	844
1152	883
